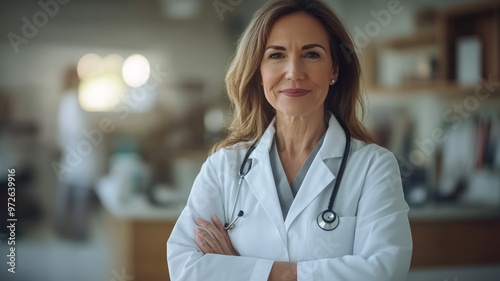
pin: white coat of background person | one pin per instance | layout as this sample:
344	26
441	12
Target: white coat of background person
78	166
294	66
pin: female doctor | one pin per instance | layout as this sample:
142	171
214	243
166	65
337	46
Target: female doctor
297	191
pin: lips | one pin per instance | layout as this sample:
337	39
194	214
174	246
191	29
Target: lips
295	92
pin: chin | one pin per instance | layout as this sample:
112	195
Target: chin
297	110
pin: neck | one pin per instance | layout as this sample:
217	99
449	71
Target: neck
298	135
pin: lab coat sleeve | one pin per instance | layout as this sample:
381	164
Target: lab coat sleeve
185	260
382	243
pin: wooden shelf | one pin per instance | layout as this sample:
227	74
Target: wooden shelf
422	38
471	9
442	89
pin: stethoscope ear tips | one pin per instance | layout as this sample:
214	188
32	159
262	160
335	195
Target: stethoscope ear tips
328	220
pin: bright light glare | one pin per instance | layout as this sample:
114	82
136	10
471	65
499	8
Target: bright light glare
136	70
100	94
112	64
89	65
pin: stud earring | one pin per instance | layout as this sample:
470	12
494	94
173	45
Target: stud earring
332	82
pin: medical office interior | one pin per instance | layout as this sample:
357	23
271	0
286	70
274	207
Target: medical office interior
132	93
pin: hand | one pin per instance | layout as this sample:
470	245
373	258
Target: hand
283	271
213	238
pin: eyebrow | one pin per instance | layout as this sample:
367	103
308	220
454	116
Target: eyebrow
305	47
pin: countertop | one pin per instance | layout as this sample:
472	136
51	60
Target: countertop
138	207
444	212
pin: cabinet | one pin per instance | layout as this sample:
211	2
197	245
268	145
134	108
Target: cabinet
138	247
455	243
436	40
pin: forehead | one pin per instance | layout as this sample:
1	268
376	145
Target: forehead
299	28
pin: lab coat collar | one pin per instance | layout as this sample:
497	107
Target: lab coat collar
335	136
260	177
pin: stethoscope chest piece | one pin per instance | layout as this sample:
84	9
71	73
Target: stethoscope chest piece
328	220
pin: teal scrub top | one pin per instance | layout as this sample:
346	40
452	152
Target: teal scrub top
286	193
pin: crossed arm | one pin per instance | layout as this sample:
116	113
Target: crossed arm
212	238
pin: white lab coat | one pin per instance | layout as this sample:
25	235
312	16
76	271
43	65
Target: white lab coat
83	168
372	242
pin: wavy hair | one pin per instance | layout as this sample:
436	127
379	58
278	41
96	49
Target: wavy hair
252	113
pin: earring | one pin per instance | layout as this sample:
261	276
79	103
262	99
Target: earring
332	82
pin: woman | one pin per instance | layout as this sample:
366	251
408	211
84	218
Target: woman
293	82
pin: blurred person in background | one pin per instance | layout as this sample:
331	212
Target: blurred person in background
77	167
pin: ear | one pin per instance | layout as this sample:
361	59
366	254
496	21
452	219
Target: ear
335	73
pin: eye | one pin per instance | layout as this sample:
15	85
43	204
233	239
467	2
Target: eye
276	56
312	55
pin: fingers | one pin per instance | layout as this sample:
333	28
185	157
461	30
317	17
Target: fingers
215	236
222	230
217	223
204	247
207	243
223	237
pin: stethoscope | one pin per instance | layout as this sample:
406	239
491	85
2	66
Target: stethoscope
327	220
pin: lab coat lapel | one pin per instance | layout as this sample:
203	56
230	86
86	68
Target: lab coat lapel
261	180
319	175
318	178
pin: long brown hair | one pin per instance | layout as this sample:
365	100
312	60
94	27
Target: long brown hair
251	111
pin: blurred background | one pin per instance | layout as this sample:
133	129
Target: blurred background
108	109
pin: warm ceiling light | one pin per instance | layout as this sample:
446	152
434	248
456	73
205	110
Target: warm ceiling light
101	94
136	70
89	65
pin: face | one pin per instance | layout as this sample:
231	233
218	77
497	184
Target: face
297	66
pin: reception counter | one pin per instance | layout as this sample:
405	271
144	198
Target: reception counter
137	234
442	235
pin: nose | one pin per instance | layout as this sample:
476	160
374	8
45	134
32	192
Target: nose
294	69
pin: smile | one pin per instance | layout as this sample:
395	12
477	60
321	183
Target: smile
295	92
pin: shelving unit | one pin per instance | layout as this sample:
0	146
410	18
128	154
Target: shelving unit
443	235
440	29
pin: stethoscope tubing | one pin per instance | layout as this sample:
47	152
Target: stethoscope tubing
242	174
332	219
347	149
